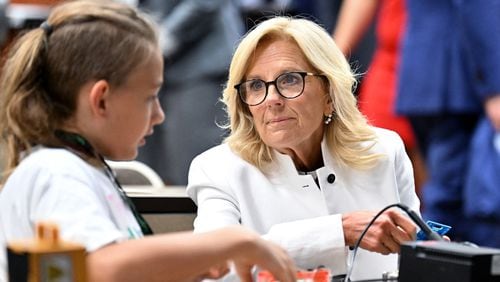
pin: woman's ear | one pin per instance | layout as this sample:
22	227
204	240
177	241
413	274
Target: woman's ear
98	97
328	109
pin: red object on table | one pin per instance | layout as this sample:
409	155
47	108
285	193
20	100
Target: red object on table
317	275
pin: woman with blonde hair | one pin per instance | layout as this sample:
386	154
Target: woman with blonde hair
301	165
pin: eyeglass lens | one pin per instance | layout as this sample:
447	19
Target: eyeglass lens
289	85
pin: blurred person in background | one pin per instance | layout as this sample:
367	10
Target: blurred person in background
377	94
449	80
197	39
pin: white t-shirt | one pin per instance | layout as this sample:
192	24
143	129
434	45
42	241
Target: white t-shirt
57	185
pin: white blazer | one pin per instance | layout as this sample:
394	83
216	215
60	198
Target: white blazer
289	209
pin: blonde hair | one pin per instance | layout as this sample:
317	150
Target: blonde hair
349	137
43	72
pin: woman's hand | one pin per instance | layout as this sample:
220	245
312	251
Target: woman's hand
384	236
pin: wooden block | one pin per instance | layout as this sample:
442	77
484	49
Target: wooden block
46	258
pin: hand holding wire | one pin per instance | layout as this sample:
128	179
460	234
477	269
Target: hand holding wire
386	233
413	216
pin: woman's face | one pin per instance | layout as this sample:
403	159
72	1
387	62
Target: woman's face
288	124
135	109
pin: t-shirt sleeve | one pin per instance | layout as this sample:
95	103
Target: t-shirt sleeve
78	209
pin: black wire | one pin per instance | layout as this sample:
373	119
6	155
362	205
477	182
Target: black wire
412	214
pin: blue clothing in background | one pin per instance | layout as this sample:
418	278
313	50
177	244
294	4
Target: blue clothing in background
451	56
450	65
482	189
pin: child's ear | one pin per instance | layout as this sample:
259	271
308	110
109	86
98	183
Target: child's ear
98	97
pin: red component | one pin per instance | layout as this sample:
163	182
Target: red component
317	275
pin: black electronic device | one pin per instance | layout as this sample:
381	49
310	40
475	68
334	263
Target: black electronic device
440	261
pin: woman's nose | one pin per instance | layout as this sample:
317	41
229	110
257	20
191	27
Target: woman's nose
273	95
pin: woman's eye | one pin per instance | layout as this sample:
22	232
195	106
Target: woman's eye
289	79
256	85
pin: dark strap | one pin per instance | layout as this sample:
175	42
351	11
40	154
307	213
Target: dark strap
145	228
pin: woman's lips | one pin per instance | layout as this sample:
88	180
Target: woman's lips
278	120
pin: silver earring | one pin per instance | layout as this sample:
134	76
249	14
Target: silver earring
328	118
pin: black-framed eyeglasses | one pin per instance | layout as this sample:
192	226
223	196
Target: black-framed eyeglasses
289	85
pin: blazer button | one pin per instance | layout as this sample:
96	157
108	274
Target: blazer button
331	178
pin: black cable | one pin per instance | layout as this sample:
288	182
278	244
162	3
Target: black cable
412	214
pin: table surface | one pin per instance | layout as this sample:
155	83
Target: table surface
165	191
168	199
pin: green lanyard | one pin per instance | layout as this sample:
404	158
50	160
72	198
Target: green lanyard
145	228
77	143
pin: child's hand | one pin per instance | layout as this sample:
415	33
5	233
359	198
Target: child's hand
215	272
255	251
